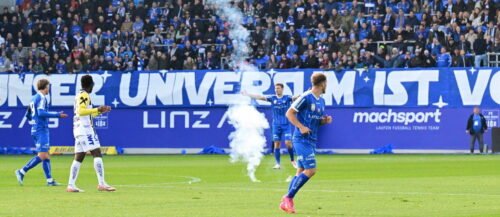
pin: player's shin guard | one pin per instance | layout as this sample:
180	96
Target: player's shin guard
99	170
299	182
47	170
277	155
32	163
73	173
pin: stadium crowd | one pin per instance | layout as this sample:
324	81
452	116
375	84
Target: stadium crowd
73	36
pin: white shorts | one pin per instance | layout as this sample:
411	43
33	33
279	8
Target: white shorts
86	143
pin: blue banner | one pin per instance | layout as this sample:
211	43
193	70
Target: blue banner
444	87
418	109
361	128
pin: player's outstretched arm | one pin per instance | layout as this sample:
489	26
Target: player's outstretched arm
102	109
62	115
295	98
44	113
254	96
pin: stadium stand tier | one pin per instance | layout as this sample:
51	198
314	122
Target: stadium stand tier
63	36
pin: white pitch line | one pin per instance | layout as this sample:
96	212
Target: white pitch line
363	192
195	179
155	185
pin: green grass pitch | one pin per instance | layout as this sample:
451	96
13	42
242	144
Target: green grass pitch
399	185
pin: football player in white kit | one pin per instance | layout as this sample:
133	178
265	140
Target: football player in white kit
85	136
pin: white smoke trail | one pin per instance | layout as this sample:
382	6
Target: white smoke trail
247	141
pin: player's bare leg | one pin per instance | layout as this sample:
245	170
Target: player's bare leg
277	154
73	173
309	172
289	146
45	157
99	170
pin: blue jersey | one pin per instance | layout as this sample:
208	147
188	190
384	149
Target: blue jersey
477	126
38	113
279	106
443	60
310	110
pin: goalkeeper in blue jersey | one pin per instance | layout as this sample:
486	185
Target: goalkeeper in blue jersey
38	116
307	114
282	130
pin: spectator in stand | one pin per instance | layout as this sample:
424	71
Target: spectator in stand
284	63
292	48
189	64
464	44
325	62
417	61
495	48
296	62
210	62
464	61
443	58
82	30
428	59
406	60
480	47
272	63
311	60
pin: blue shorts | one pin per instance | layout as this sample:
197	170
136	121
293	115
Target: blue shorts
41	139
305	154
282	132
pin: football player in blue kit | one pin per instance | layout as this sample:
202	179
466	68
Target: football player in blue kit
307	114
281	128
38	116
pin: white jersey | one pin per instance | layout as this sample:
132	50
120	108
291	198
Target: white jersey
83	123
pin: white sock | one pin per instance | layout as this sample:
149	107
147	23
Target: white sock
22	171
99	170
73	173
50	180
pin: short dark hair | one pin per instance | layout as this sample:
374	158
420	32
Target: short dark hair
87	81
280	84
318	78
42	84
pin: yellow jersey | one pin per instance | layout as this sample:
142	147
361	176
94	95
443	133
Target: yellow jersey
83	123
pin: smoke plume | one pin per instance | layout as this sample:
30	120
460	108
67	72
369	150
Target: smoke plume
247	141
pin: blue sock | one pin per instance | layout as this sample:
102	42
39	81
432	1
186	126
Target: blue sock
299	182
290	151
277	155
292	183
32	163
47	169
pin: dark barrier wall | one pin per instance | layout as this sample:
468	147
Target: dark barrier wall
411	109
495	137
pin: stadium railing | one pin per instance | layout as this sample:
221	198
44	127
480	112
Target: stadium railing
493	59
